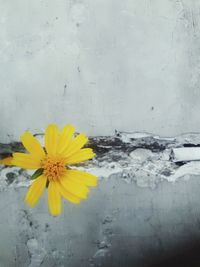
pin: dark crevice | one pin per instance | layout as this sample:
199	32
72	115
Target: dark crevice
191	145
112	146
103	145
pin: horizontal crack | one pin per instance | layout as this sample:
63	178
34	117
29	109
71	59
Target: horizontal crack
137	157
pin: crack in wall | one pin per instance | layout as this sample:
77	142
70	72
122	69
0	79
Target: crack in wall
141	158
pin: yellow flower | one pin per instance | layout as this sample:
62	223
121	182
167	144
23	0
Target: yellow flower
7	161
61	150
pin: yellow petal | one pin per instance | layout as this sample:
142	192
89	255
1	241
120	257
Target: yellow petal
77	143
68	195
25	161
51	139
7	161
54	199
32	145
82	177
65	138
36	190
80	191
81	155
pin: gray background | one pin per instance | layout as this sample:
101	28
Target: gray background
100	64
104	65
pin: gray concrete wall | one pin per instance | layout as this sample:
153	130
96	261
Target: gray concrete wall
101	64
144	212
133	227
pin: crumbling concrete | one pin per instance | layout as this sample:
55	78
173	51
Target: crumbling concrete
145	210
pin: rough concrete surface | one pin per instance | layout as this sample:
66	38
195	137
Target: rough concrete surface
102	64
144	212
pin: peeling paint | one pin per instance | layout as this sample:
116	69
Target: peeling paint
141	158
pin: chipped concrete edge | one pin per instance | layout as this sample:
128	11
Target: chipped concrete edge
142	158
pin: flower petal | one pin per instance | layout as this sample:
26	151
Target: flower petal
26	161
36	190
65	138
77	143
72	198
51	139
78	190
81	155
7	161
82	177
54	199
32	145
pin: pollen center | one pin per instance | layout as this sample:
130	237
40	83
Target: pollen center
54	167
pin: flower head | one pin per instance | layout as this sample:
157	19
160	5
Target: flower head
52	165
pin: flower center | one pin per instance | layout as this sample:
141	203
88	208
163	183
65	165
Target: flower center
54	167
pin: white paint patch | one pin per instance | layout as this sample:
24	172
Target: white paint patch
191	168
186	154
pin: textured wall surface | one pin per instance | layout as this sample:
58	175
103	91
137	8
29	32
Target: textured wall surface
132	227
144	212
104	65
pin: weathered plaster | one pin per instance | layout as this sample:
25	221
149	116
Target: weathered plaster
139	158
145	209
103	65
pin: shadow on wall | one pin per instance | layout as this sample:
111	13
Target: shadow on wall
185	255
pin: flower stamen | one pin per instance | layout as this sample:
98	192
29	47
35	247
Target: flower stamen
54	167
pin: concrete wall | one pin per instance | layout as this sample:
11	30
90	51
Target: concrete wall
133	227
100	64
144	212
